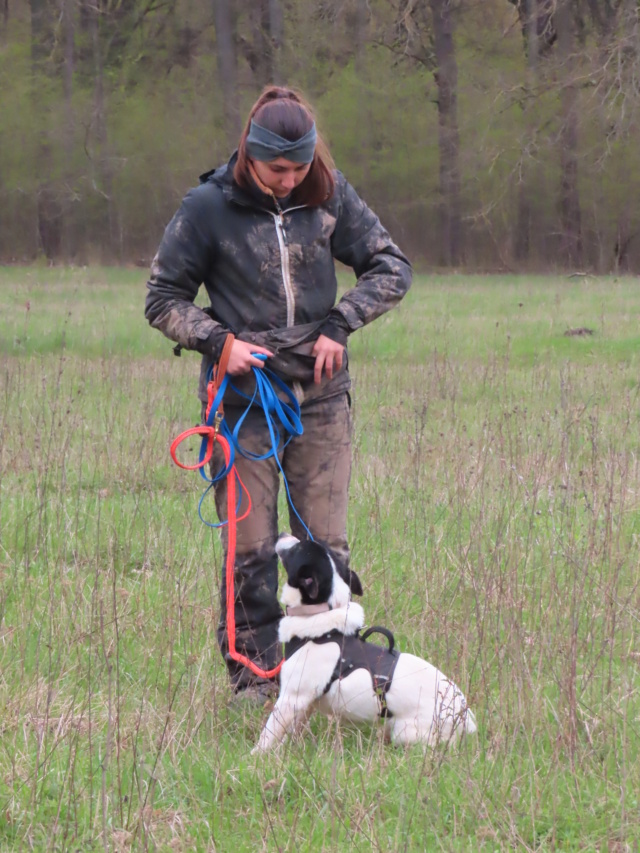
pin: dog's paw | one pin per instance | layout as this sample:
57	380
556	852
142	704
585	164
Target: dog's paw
264	746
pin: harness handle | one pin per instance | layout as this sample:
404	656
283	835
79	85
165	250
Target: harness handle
378	629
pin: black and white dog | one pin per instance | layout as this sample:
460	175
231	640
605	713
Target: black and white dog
329	666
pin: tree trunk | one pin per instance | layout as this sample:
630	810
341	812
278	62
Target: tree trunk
570	217
48	214
224	18
69	54
525	182
69	130
103	178
446	76
360	31
40	32
276	37
366	123
264	52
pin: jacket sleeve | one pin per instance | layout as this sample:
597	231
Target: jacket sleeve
183	259
384	273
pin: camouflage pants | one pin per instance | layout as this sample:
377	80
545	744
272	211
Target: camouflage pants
317	466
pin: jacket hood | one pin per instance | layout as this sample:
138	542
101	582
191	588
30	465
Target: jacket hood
218	175
223	177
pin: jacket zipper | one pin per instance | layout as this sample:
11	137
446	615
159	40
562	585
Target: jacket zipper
286	279
284	261
284	265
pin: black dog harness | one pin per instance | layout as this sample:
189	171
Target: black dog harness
356	653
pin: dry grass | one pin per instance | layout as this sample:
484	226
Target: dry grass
494	521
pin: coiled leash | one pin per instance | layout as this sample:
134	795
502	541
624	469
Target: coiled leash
280	418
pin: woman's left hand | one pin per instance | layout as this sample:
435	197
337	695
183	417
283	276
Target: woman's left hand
328	355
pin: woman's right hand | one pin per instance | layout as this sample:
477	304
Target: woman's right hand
241	359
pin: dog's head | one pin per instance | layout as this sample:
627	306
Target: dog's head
315	572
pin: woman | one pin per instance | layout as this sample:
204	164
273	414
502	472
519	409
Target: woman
262	233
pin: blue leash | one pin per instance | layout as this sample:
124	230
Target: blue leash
282	419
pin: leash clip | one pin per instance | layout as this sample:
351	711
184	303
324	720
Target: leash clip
217	420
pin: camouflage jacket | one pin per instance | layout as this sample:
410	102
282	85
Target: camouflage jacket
270	274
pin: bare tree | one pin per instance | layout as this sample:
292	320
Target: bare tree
48	213
41	33
539	35
617	81
102	164
69	58
538	28
549	35
358	16
68	24
273	36
262	48
226	26
535	27
424	34
446	77
570	214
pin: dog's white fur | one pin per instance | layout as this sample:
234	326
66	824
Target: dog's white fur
425	705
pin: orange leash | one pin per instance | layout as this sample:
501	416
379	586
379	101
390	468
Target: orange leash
230	567
212	435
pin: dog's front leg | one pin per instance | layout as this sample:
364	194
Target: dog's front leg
302	680
288	715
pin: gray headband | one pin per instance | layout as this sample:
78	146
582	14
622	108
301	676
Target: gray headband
264	145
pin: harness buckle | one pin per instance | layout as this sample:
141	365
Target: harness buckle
217	420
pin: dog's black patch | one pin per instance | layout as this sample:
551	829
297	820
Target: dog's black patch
309	569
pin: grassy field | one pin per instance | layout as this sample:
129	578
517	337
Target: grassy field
494	521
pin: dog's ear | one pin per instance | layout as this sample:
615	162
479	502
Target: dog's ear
310	586
354	583
349	577
285	542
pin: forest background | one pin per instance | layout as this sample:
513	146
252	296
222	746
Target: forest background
487	134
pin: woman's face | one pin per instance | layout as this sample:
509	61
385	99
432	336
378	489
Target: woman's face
281	175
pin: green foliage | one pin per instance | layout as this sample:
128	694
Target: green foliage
109	172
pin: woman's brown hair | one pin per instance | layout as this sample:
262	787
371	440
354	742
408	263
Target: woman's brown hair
285	112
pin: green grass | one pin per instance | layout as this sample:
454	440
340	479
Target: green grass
494	520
